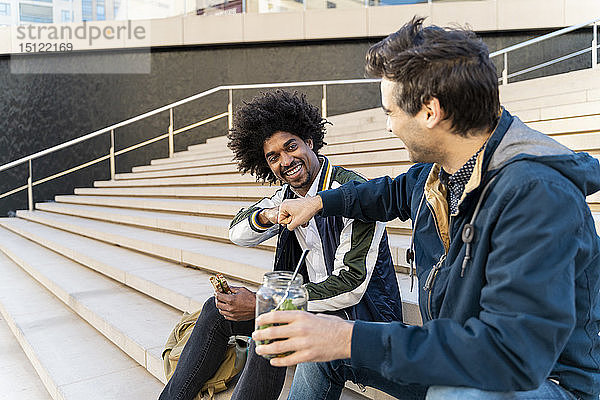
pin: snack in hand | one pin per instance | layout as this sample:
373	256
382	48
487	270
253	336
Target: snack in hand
216	284
224	284
220	284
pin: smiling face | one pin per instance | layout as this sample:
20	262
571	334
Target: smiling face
292	160
420	142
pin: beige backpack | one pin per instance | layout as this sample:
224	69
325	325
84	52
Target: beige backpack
234	361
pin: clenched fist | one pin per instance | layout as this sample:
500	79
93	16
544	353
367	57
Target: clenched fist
296	212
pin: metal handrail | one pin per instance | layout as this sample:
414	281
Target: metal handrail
176	104
117	153
542	38
593	49
548	63
169	135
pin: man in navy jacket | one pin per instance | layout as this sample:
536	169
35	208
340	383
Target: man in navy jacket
505	247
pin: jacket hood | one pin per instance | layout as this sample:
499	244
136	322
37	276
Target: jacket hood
514	141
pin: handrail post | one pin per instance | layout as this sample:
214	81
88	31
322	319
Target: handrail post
112	154
30	188
324	102
595	46
171	145
505	70
230	110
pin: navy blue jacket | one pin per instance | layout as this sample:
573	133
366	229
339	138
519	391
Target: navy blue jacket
513	304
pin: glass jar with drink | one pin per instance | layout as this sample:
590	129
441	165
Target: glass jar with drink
279	293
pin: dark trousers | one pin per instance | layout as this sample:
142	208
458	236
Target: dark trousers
204	352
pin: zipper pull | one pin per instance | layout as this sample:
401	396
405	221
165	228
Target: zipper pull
436	267
429	280
410	258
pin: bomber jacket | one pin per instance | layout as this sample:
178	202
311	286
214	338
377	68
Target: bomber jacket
509	286
360	280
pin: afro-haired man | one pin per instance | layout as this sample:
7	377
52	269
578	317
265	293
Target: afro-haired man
348	271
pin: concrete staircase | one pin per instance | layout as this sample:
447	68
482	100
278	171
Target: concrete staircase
93	282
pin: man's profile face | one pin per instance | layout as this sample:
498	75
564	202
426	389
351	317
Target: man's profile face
417	140
292	160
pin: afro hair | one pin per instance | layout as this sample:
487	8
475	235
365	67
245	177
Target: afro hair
268	113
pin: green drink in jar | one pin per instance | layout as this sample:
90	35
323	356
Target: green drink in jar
279	293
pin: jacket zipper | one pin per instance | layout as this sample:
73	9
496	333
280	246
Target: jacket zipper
429	282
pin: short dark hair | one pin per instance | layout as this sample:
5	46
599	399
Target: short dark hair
452	65
267	113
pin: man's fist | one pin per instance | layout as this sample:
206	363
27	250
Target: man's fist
298	212
268	216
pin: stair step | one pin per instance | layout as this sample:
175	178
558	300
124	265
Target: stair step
369	141
366	114
581	108
185	289
227	192
203	152
201	168
333	147
216	228
225	174
548	87
224	208
205	254
373	132
580	141
360	153
20	381
387	157
196	180
216	159
73	359
232	176
350	126
516	106
227	209
590	123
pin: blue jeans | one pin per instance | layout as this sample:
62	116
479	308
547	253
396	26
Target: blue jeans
325	381
204	352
